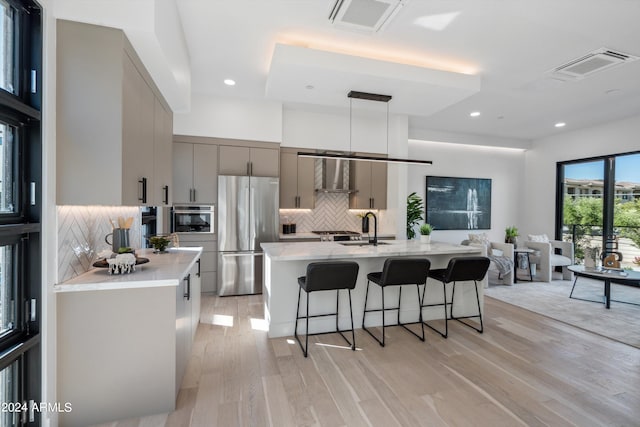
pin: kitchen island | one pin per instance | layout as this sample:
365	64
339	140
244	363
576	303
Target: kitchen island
124	340
285	262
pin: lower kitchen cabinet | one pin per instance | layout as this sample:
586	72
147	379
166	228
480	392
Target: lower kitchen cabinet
124	342
208	259
187	319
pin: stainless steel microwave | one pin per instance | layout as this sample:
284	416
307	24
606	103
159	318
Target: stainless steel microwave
193	219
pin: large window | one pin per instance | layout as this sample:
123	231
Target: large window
600	198
20	183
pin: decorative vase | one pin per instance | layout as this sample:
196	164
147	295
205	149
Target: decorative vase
512	240
425	238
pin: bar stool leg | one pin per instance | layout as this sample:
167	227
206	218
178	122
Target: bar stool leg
366	295
404	325
444	304
306	332
479	315
352	343
382	315
353	331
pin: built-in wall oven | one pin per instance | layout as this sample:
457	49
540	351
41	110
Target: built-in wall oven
193	219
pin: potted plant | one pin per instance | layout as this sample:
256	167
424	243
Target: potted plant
159	243
414	213
425	233
510	234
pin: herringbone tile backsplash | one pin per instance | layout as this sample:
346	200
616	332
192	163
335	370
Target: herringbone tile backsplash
331	210
81	233
331	213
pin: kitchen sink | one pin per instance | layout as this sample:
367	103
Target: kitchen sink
356	243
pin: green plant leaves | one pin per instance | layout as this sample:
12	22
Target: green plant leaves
414	213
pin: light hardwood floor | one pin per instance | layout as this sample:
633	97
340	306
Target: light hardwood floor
526	369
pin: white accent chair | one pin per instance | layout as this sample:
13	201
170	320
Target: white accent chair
507	251
546	258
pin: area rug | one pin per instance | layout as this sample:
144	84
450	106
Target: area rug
621	322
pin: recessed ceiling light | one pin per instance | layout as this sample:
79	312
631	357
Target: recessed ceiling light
229	82
560	124
475	114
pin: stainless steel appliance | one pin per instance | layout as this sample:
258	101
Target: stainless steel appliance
247	216
193	219
338	235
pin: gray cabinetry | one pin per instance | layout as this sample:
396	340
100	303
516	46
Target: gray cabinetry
208	259
370	181
187	319
111	131
162	155
297	184
195	174
255	161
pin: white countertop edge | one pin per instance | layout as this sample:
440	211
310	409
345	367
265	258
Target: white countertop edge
105	286
333	250
129	281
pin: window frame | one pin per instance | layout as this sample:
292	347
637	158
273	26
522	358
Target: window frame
22	227
608	190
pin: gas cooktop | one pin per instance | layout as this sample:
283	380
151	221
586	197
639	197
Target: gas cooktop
332	232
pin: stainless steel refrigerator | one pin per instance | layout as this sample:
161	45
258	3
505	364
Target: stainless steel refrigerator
247	216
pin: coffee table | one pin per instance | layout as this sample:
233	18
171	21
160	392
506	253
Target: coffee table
624	277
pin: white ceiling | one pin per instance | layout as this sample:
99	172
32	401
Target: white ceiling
510	45
491	56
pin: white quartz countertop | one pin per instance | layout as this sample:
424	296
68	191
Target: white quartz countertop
295	251
309	235
162	270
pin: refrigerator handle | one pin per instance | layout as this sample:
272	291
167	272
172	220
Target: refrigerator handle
239	254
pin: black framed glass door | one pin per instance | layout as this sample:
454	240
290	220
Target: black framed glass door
598	199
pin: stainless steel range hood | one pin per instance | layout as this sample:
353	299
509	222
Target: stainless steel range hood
335	176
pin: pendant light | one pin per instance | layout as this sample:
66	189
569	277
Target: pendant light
370	97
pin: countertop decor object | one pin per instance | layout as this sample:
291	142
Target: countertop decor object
425	233
159	243
104	263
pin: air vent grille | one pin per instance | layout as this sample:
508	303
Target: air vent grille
593	62
364	15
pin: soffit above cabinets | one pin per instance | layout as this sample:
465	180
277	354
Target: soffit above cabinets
309	76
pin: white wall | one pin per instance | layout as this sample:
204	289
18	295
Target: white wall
230	118
540	188
504	166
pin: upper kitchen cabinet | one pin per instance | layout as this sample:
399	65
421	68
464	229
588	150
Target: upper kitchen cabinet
162	155
370	181
113	125
297	180
248	158
195	171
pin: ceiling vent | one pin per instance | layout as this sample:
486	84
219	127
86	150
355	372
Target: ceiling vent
593	62
364	15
